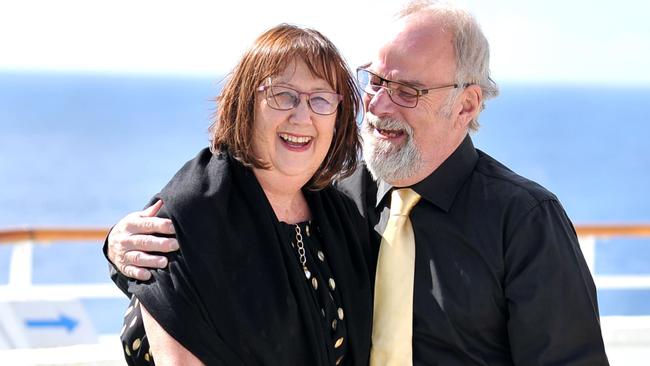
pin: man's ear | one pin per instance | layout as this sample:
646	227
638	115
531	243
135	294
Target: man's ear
471	102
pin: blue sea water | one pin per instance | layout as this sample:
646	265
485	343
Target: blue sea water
84	149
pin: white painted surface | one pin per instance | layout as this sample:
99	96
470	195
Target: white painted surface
38	324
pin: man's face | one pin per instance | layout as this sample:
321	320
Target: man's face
404	145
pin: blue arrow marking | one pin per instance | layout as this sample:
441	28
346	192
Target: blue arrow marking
63	321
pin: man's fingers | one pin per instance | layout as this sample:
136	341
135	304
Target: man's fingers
138	259
152	210
150	243
145	222
128	242
141	274
119	247
148	225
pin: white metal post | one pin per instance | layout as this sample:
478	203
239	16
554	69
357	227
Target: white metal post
20	266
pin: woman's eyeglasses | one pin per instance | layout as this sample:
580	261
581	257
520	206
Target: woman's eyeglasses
284	98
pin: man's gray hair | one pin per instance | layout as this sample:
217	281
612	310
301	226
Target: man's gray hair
471	47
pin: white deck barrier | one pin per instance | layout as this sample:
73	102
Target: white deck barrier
627	338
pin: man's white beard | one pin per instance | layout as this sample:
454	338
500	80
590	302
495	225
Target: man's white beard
385	160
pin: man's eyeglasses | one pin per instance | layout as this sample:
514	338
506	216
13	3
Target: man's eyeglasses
401	94
284	98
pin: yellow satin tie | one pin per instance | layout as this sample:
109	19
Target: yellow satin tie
392	329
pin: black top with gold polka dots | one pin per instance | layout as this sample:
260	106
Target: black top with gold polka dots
304	238
134	339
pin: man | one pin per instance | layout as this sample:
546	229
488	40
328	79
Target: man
498	275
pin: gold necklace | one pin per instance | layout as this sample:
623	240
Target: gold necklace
301	252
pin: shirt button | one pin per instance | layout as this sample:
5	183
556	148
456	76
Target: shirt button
339	360
321	256
340	311
314	282
334	324
338	343
332	284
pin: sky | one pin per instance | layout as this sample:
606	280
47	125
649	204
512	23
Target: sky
570	41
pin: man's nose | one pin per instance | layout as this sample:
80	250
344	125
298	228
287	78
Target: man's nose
380	103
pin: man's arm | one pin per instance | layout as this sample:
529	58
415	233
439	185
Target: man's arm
129	242
553	312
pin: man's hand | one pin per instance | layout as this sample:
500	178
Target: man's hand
131	239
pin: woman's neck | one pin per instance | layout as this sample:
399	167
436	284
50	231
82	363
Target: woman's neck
284	195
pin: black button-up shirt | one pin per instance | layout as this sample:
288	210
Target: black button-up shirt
499	275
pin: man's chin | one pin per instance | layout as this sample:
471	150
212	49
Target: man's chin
380	164
390	163
380	170
380	147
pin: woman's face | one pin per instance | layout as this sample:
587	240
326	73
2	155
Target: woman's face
293	142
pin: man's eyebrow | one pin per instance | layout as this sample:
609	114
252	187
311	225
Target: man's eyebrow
408	82
414	83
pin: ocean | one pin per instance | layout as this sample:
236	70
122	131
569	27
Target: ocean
85	149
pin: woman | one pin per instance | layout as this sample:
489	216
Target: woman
282	279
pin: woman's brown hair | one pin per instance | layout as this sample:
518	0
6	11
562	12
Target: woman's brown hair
271	53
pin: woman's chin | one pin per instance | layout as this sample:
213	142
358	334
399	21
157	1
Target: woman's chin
297	174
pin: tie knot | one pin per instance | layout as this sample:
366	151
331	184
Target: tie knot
402	201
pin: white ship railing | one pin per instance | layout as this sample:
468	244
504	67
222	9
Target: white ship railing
20	286
627	337
590	234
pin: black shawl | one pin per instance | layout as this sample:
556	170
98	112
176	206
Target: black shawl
235	293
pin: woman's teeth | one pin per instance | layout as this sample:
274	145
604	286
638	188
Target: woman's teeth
295	139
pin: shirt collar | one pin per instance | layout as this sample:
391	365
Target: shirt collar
441	186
